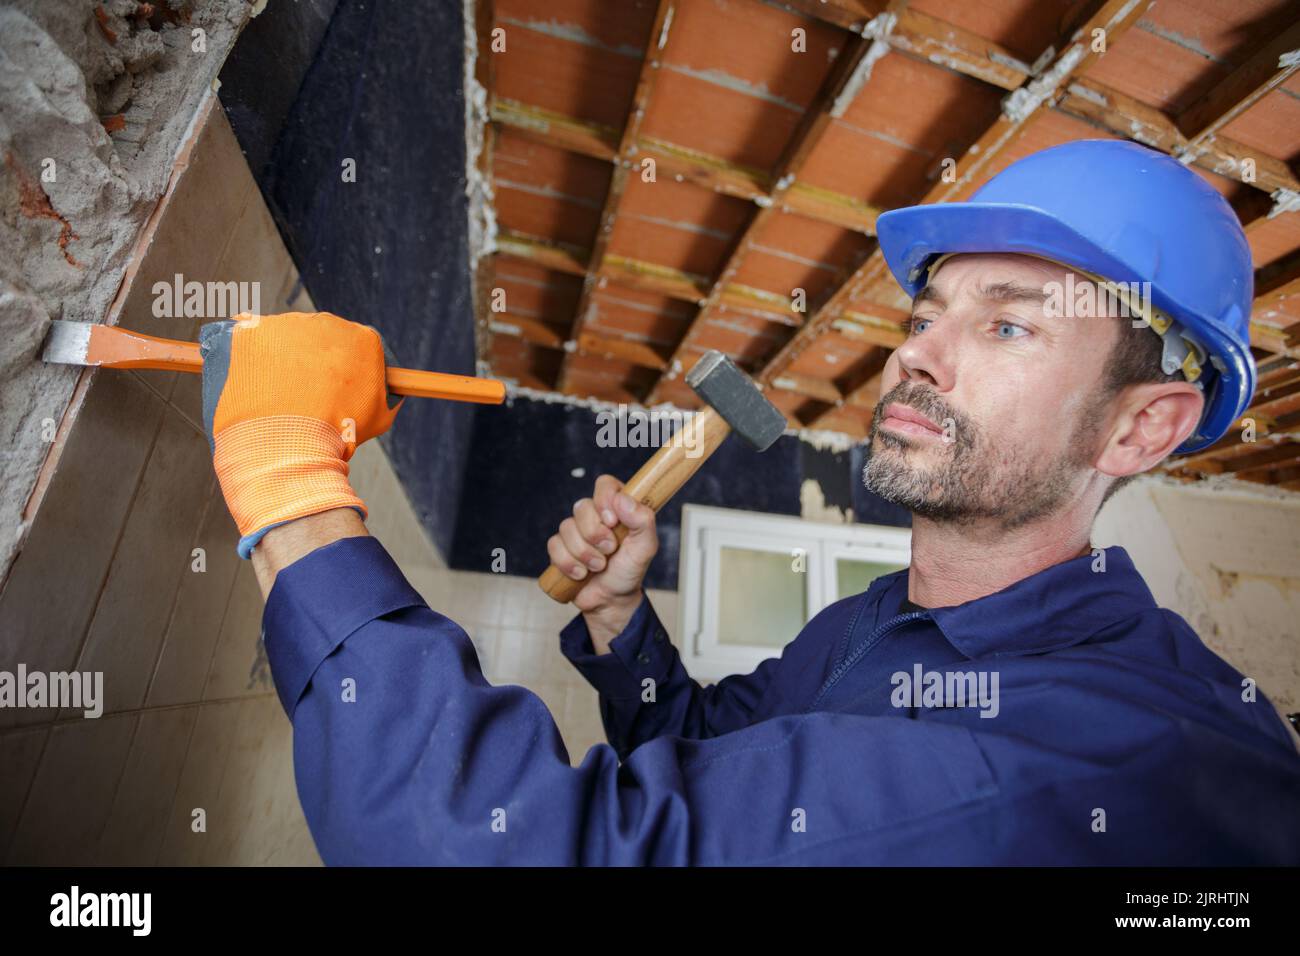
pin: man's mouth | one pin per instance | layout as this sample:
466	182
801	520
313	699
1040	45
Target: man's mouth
909	421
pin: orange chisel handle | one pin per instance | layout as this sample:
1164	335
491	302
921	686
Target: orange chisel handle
114	347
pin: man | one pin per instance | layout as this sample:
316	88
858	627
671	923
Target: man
1113	735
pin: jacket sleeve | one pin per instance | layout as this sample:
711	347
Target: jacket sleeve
404	754
645	691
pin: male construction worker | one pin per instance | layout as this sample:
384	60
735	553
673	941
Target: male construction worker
1117	737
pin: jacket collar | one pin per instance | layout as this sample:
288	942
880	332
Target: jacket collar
1058	607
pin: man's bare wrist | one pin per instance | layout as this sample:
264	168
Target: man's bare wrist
285	544
610	620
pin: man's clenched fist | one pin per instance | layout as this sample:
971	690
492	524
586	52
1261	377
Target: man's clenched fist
286	400
586	548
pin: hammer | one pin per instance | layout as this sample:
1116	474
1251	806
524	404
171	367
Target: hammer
732	402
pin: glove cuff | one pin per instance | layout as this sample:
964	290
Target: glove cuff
279	468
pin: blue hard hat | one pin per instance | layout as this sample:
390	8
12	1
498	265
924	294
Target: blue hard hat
1122	212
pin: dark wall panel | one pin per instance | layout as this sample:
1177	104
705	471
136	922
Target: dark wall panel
382	85
520	484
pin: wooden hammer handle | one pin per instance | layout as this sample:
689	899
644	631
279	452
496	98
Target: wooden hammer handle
657	480
113	347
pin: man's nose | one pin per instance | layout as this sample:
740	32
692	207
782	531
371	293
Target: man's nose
928	356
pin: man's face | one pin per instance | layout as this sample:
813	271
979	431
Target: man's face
1011	396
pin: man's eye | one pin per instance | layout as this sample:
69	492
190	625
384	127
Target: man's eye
916	324
1009	330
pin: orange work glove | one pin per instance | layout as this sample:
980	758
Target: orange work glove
286	401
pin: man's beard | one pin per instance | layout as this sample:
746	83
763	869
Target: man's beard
976	479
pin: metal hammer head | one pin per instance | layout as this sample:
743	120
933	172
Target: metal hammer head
737	399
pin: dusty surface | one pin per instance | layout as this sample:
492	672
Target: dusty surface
95	99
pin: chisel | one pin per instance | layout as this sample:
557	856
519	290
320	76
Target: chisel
84	343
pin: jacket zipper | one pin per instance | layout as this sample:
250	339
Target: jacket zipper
845	666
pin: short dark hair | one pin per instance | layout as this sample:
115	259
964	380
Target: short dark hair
1135	359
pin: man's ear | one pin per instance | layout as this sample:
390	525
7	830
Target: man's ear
1152	420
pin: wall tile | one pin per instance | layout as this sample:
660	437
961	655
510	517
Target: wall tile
72	793
131	617
392	519
239	770
239	664
255	253
143	804
665	604
555	696
187	398
486	643
520	657
431	582
20	750
200	609
200	785
194	231
257	800
55	582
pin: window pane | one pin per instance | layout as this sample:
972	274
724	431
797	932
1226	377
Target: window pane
762	600
854	577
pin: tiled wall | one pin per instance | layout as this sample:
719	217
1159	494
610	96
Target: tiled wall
107	582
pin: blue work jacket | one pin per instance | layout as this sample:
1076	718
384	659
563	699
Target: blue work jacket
1111	736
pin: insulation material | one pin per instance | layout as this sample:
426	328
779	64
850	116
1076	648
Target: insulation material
98	99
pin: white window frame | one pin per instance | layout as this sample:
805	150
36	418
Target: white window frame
706	530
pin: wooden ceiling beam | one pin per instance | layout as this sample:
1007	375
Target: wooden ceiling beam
555	129
651	277
1263	71
861	387
1277	281
923	36
820	389
887	328
1279	402
647	277
1284	425
1276	475
548	253
624	162
844	80
533	331
1019	109
1100	105
684	165
1266	457
603	344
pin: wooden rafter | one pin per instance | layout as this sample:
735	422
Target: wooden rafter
1020	108
844	80
709	172
646	277
923	36
1264	70
1277	282
1118	113
624	160
1235	440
